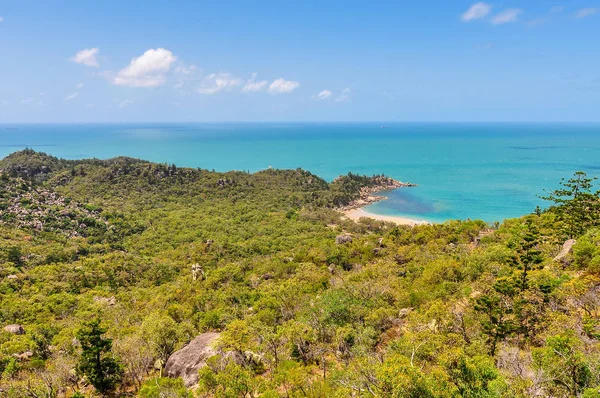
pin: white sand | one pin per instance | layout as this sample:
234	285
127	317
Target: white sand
356	214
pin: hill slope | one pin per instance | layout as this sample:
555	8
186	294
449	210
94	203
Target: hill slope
457	309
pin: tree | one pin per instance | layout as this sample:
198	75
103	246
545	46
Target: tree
96	362
14	255
575	203
497	307
160	331
528	254
42	339
562	359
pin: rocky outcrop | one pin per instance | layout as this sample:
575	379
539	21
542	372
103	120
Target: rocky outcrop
186	362
14	329
343	239
566	249
376	184
27	206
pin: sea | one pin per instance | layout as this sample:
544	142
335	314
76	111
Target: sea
487	171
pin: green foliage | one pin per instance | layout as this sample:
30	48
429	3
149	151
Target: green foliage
96	363
454	309
163	387
576	204
567	366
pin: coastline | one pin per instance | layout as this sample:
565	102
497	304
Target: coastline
357	214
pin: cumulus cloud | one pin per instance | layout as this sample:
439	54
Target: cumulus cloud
344	96
282	86
324	95
79	86
71	96
217	82
87	57
147	70
586	12
253	85
476	11
507	16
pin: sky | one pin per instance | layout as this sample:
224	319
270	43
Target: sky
311	60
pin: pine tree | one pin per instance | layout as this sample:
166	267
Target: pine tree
96	362
575	203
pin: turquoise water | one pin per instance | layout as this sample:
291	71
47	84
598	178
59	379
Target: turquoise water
477	171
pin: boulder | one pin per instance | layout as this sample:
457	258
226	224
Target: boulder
343	239
566	249
14	329
186	362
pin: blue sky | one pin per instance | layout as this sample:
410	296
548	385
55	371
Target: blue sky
327	60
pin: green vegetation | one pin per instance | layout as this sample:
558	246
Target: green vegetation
96	261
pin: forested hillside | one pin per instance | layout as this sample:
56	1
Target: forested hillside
107	268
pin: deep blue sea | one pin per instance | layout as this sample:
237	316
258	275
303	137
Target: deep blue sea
477	171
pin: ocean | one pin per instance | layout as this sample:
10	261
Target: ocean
472	170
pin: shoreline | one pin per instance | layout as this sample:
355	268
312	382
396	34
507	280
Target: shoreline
357	214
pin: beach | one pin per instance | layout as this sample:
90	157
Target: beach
356	214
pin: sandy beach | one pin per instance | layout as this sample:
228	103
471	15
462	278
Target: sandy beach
356	214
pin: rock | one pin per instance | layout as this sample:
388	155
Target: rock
186	362
343	239
14	329
23	356
12	277
105	300
403	313
197	272
566	249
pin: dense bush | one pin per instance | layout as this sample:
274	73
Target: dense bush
455	309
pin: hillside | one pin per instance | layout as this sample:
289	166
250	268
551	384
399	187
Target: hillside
304	302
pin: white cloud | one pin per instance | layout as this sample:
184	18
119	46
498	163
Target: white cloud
324	95
79	86
586	12
253	85
184	74
71	96
4	103
507	16
281	86
344	96
147	70
218	82
186	70
476	11
122	103
557	9
27	101
87	57
1	19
